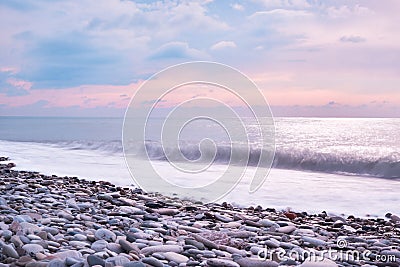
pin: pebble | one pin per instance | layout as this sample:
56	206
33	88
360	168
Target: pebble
105	234
286	229
116	261
316	262
94	260
152	261
222	263
162	248
50	221
178	258
32	248
99	245
9	251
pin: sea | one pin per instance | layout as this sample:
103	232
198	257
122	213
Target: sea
344	166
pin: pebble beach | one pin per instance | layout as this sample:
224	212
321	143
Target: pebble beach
66	221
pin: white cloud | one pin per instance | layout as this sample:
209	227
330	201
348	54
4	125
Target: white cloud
284	3
283	13
177	50
223	44
237	7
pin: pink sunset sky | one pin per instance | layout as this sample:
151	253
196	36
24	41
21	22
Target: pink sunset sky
309	58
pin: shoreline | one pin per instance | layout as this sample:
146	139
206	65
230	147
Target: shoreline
66	221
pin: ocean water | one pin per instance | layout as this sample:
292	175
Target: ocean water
340	165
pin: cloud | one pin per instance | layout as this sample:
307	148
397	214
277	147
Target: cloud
71	60
18	4
352	39
223	44
298	4
19	83
66	50
12	86
283	13
103	42
346	11
237	7
10	70
177	50
88	96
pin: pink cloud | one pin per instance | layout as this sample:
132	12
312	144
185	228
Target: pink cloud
86	96
20	83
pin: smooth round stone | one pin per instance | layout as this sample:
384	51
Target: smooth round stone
22	261
162	248
150	217
286	229
33	237
113	222
222	263
3	201
194	252
159	256
78	264
42	235
7	234
79	244
315	262
87	251
3	226
99	245
167	211
85	205
247	262
40	256
314	241
66	215
84	217
192	263
37	264
32	248
128	246
63	255
268	223
105	234
116	261
51	230
23	218
56	263
152	261
289	262
93	260
80	237
178	258
134	264
195	243
9	251
16	240
232	225
29	228
131	210
272	243
209	254
114	247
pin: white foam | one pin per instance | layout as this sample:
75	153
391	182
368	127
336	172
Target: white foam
301	191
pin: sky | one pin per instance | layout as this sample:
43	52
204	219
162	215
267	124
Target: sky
309	58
